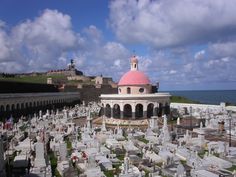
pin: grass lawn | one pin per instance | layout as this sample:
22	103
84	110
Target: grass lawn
232	168
53	160
180	99
109	173
143	140
39	79
68	145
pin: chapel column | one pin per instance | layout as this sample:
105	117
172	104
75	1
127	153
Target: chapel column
133	110
121	110
104	110
156	105
111	110
145	110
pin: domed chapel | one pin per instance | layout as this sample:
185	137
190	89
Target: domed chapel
136	98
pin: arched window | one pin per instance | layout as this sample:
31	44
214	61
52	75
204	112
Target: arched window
128	90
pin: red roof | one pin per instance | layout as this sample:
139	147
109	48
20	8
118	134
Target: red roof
134	78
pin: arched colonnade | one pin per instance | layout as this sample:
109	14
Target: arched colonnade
136	110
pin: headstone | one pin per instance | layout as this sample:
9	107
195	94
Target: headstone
126	164
178	121
39	159
180	170
103	125
165	131
154	123
40	114
63	151
47	113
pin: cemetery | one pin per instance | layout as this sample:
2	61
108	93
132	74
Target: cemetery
54	144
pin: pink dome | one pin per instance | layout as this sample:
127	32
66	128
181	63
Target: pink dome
134	78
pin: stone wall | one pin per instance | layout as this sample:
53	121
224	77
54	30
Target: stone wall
92	93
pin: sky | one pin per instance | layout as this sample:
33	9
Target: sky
183	45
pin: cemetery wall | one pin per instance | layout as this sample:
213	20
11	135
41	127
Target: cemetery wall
92	93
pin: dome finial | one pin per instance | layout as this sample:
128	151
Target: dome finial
134	63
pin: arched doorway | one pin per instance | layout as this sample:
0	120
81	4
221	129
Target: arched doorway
138	111
116	111
22	106
167	109
160	110
8	108
108	111
127	111
101	112
2	108
150	108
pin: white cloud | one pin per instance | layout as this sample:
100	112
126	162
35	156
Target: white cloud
4	45
173	72
222	49
200	55
45	43
38	44
166	23
49	42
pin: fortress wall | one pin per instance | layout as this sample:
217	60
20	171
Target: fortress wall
20	87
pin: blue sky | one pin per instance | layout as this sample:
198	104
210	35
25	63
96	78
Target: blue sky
184	45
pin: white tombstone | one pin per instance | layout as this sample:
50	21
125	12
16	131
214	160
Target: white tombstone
165	132
47	113
126	164
178	121
103	124
39	159
40	114
154	123
180	170
63	151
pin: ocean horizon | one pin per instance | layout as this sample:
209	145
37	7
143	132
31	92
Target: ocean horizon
207	96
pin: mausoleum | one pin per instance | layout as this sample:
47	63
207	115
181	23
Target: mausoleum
136	98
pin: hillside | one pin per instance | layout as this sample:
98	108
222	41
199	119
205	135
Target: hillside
39	79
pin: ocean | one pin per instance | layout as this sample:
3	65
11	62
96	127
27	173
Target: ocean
208	96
